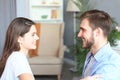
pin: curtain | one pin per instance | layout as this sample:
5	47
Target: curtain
7	13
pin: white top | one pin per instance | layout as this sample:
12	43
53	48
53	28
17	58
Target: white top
16	65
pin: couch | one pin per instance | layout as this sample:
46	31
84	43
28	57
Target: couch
49	55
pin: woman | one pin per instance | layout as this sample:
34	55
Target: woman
20	38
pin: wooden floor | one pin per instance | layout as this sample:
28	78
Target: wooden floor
66	74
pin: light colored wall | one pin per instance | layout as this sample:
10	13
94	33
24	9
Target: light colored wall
22	11
110	6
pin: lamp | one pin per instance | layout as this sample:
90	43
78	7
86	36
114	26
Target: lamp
71	7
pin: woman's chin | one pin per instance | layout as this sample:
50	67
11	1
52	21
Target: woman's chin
34	47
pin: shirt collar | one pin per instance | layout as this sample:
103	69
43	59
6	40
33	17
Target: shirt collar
102	52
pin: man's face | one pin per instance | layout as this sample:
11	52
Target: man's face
86	33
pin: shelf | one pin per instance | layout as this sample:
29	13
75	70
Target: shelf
48	21
52	9
46	5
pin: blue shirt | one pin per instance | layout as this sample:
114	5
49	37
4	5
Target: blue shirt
106	63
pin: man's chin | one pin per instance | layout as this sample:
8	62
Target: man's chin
85	47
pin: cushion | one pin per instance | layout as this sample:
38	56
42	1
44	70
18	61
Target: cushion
45	60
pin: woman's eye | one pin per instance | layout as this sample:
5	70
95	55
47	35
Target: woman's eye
33	34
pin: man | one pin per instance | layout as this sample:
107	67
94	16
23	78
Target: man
101	63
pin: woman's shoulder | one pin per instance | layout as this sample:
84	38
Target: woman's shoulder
16	56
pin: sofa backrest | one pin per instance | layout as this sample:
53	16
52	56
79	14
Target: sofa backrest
51	38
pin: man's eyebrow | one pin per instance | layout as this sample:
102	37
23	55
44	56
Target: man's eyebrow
81	28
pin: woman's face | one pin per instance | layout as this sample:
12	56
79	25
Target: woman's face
28	41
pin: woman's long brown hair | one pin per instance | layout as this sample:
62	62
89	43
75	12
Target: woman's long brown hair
18	27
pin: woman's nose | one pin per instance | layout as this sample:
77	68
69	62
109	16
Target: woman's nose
37	37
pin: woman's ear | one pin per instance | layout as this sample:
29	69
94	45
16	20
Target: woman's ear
20	39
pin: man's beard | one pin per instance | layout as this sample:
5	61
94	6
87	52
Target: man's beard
89	43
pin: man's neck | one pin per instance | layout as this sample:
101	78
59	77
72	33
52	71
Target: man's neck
97	46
